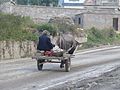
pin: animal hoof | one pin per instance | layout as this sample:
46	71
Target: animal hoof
61	65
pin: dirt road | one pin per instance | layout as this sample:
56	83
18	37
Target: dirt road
23	74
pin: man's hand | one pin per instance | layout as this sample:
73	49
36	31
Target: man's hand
53	45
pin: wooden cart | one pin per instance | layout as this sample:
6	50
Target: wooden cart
41	59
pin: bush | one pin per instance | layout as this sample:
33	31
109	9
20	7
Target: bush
15	28
98	37
54	28
47	26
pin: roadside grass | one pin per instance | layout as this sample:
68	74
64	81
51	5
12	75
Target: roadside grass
96	38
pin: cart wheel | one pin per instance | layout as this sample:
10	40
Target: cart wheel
39	65
67	64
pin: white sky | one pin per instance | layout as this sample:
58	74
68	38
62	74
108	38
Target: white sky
67	1
80	1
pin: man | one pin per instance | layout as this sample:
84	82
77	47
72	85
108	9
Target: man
44	43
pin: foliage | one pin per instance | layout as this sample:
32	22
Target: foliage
100	37
38	2
22	2
56	28
15	28
47	26
3	1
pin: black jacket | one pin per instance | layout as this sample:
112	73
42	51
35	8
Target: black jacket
44	43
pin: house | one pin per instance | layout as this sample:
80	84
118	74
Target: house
98	19
102	4
94	4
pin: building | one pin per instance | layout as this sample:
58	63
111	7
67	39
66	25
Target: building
107	2
71	3
98	19
102	4
96	4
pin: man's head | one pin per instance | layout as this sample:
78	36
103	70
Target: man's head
45	32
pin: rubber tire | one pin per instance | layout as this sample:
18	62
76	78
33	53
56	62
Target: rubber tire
39	65
67	64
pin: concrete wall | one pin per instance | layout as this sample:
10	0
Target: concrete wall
100	20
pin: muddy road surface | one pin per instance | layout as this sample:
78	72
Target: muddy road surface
22	74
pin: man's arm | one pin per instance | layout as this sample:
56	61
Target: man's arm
50	44
38	44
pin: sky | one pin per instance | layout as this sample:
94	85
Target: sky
60	1
81	1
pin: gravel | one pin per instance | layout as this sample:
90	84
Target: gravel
107	81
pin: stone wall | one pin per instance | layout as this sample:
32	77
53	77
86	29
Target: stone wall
39	13
13	49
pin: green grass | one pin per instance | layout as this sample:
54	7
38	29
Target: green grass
47	26
15	28
98	37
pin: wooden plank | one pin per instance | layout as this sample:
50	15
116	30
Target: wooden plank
39	56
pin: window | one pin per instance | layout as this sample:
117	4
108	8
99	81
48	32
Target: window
115	23
79	20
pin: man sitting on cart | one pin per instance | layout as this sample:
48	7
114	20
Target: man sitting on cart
44	43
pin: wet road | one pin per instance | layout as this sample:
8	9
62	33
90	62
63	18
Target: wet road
23	74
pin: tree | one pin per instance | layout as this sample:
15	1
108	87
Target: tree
3	1
22	2
38	2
